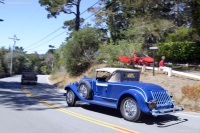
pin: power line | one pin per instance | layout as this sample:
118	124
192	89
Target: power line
37	51
44	38
98	11
47	41
56	31
68	33
90	7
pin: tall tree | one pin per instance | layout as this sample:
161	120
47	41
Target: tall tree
71	25
55	7
111	15
195	14
117	14
80	52
1	1
3	61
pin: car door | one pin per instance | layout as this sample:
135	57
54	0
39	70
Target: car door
101	89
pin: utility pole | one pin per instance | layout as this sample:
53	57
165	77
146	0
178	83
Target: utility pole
12	53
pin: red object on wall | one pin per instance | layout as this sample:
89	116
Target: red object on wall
140	59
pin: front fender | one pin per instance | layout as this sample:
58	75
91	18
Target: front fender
74	88
138	96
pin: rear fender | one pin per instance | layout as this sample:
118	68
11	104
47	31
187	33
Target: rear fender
138	96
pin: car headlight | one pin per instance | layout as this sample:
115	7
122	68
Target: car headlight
152	103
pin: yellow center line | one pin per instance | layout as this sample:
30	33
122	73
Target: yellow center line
92	120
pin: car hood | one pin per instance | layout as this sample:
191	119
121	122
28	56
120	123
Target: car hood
146	59
143	86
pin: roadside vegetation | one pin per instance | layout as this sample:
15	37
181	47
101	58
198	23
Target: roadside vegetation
42	64
118	31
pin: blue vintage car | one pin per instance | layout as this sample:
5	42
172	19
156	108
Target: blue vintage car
119	88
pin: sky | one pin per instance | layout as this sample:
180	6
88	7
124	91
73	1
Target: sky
28	21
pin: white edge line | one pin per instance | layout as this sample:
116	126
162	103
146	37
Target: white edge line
188	115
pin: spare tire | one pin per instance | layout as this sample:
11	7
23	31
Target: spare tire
85	89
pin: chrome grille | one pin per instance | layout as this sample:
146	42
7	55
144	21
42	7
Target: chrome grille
162	97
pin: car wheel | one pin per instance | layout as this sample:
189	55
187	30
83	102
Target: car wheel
85	89
70	98
130	110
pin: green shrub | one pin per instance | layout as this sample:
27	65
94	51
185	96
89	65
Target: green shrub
111	53
183	34
3	61
182	52
181	47
80	50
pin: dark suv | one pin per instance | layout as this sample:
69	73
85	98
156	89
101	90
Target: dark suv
29	77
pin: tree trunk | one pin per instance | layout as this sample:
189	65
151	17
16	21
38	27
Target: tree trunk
77	15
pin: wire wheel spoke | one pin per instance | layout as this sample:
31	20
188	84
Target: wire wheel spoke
130	108
83	91
69	97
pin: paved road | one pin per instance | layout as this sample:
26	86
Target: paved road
41	108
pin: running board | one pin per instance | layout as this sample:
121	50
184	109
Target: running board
102	103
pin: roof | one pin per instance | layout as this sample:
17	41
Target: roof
111	70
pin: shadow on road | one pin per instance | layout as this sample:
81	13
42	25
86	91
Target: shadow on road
161	121
12	96
101	109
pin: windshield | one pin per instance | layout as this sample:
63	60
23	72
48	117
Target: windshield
103	76
140	55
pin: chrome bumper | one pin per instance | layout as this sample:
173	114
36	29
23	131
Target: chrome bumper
155	112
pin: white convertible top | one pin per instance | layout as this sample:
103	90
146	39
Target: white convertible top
111	70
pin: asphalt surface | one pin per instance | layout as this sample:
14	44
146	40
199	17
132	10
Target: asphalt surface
42	108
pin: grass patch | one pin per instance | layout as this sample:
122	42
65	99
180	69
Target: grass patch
191	92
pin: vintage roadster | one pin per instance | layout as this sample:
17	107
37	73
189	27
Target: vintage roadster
121	89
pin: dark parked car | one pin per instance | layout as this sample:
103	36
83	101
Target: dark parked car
119	88
29	77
